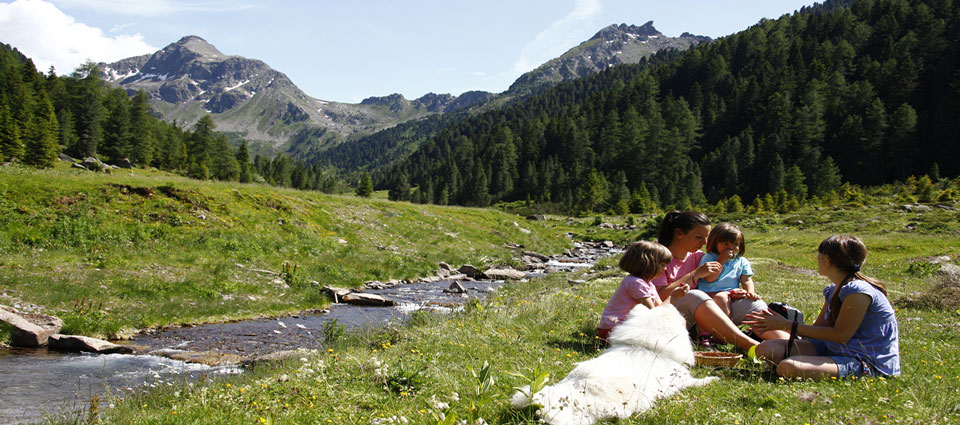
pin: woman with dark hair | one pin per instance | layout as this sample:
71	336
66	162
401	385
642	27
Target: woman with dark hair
684	233
856	333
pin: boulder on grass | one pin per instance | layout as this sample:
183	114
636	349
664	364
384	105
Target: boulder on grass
29	329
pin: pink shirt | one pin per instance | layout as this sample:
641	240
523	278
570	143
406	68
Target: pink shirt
678	268
626	297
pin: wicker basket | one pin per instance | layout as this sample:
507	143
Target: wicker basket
716	358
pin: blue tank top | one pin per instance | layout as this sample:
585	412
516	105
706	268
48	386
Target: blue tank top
877	340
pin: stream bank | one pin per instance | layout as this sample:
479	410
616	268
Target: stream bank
38	382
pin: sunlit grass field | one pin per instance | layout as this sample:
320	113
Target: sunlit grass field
139	249
463	368
136	250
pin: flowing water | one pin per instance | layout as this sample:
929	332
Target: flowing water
36	383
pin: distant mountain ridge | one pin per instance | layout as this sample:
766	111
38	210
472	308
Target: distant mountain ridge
611	46
246	97
191	78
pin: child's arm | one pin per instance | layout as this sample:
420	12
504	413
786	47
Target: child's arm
746	282
648	302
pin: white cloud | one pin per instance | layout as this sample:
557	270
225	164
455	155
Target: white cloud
559	37
50	37
156	7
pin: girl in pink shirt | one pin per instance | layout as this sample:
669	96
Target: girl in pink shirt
643	261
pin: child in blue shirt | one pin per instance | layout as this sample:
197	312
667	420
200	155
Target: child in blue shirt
734	282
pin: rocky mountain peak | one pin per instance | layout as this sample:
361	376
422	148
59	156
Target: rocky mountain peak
196	45
617	32
611	46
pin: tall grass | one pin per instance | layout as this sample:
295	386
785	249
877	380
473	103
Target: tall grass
464	367
148	249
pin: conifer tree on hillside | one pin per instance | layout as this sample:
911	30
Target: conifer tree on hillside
142	139
11	145
85	97
243	159
42	145
365	187
862	91
116	143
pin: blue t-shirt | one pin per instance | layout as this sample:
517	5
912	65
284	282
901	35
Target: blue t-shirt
877	340
730	275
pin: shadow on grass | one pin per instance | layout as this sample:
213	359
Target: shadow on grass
583	340
746	373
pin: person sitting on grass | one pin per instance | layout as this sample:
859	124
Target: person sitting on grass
643	261
732	287
684	233
856	333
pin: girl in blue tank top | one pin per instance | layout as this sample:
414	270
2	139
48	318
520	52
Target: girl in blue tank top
856	333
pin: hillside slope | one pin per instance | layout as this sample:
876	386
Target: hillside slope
151	249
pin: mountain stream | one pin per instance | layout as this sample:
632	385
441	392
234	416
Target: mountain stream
36	383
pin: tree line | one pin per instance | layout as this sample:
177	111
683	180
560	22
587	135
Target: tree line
865	92
43	116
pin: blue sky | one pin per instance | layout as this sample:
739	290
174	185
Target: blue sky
348	50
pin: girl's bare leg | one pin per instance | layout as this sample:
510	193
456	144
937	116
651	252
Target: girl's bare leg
711	318
808	367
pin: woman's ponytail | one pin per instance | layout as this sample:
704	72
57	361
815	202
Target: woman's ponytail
679	220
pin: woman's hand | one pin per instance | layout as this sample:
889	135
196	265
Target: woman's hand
766	320
707	268
680	291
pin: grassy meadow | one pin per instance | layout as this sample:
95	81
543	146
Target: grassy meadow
153	261
137	249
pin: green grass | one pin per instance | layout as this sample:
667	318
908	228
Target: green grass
70	242
547	325
141	249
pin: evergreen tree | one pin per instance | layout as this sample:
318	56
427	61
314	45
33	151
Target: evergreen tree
902	142
776	176
42	145
734	204
223	160
925	189
793	183
142	139
116	128
826	179
642	201
243	159
365	187
203	138
479	189
11	146
401	188
619	201
593	193
68	132
88	110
